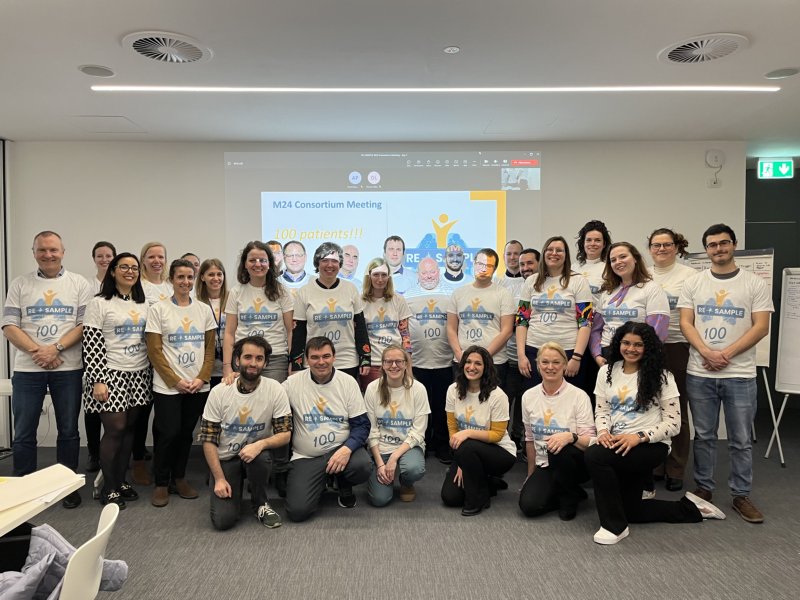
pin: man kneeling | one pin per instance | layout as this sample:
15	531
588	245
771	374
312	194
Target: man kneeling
240	424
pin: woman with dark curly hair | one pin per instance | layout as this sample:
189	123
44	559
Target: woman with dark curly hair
593	242
477	419
637	413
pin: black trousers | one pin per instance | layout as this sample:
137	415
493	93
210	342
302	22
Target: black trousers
556	485
436	382
478	462
173	424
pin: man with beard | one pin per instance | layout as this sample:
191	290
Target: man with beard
454	265
433	356
241	423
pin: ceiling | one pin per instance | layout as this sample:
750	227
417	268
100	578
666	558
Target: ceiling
378	43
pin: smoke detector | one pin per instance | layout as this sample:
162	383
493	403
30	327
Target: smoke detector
166	47
704	48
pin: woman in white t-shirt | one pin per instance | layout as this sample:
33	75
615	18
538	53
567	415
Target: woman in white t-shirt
559	426
211	288
555	306
180	344
665	247
397	407
386	314
117	376
477	419
628	294
636	415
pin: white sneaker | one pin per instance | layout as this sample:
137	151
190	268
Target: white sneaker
606	538
648	494
708	510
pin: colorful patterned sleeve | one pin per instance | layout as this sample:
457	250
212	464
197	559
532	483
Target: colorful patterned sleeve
209	432
584	313
523	313
282	424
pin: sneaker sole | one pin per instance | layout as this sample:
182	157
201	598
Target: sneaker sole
611	541
273	526
715	512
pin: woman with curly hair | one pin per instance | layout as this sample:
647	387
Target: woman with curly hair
477	418
637	413
594	239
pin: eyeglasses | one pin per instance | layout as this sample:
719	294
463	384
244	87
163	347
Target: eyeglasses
128	268
554	251
665	245
293	255
258	261
720	244
394	362
482	266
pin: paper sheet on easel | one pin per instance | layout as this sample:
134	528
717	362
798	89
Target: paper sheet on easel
42	485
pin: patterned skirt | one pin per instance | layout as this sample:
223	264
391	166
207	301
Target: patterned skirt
126	389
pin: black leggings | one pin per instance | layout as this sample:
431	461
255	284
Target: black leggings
478	462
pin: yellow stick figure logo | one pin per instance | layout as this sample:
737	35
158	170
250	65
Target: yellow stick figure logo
720	296
442	230
134	316
332	304
49	296
186	324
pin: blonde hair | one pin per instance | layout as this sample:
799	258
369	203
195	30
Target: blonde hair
384	391
145	249
555	348
366	293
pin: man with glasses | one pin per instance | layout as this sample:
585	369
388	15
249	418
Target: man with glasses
482	313
294	260
724	312
43	320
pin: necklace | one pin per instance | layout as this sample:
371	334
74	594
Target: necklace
243	389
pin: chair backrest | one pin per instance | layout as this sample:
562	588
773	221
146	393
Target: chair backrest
85	567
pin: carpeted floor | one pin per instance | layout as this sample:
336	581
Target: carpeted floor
424	550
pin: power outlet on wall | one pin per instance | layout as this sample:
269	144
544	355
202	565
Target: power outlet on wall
714	182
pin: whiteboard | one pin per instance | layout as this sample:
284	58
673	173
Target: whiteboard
787	377
759	262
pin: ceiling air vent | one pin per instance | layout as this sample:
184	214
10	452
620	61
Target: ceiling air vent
704	48
167	47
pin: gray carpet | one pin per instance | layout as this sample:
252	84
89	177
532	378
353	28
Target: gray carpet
425	550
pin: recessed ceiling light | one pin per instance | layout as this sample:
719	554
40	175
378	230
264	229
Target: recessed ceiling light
96	71
452	50
782	73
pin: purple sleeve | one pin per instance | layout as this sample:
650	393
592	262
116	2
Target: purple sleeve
660	323
597	333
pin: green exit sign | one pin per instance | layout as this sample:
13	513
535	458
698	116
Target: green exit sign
775	168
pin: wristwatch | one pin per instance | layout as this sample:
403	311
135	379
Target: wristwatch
59	347
641	435
574	437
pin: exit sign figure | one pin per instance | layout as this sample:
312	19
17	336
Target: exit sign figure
775	168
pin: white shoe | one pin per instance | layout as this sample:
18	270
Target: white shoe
708	510
648	494
606	538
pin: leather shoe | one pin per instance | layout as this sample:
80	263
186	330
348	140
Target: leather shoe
673	484
471	512
160	496
72	500
185	490
567	513
140	474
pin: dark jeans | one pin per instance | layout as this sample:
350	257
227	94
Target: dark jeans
618	482
556	485
436	382
27	398
515	386
225	511
677	358
478	462
175	418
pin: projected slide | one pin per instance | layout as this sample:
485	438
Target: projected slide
428	222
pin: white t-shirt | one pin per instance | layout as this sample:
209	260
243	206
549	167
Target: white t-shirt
257	315
671	280
245	418
183	333
723	312
94	285
330	312
383	321
470	413
479	311
514	285
156	292
428	326
123	324
46	309
321	412
553	312
569	409
592	270
617	411
404	419
639	303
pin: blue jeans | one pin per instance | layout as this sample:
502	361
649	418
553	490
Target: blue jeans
27	398
738	396
410	469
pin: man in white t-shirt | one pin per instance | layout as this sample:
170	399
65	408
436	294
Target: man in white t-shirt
394	251
330	428
241	424
43	320
482	314
724	311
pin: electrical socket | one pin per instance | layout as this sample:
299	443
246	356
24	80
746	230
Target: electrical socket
714	182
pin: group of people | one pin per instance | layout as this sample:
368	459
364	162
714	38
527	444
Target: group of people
585	370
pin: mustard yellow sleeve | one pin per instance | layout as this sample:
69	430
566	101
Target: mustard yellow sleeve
497	429
155	353
452	425
208	356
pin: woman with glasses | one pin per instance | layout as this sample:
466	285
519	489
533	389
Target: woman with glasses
637	414
477	418
118	379
555	306
210	288
260	306
397	407
665	247
628	294
559	426
386	314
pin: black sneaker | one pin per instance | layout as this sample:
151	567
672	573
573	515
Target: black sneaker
347	499
268	517
72	500
127	492
444	455
113	497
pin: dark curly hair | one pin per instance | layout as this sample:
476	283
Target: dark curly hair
652	366
489	379
592	226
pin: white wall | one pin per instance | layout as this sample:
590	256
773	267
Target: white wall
133	192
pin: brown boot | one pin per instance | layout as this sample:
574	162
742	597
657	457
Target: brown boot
407	493
140	475
185	490
160	496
